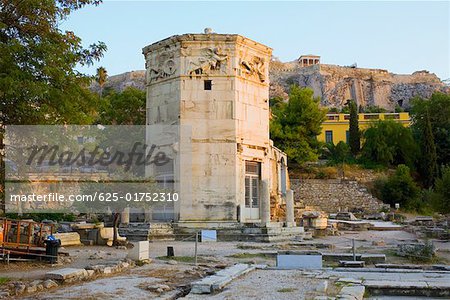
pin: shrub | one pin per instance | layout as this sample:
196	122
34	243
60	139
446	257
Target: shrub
327	173
399	188
389	143
422	252
440	198
337	154
38	217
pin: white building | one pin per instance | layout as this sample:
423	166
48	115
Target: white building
218	86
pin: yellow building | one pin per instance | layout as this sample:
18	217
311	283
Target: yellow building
335	127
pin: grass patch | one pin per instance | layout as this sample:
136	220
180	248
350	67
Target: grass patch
286	290
246	255
4	280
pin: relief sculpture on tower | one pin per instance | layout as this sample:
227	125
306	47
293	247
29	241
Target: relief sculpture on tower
210	60
254	67
164	67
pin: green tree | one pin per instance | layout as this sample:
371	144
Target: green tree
354	134
438	110
400	188
338	154
428	159
441	193
38	82
101	77
295	125
123	108
389	143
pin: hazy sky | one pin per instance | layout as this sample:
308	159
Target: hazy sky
400	36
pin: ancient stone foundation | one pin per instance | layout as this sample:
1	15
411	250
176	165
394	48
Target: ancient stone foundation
334	195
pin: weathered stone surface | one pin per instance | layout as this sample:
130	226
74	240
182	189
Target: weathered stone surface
351	264
68	238
220	279
334	195
158	288
34	286
19	288
66	274
355	292
385	284
322	286
350	280
48	284
421	250
4	295
218	86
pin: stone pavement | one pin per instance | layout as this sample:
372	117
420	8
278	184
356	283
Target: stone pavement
398	281
217	281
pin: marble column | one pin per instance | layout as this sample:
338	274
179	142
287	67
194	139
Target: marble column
148	214
125	216
265	203
290	218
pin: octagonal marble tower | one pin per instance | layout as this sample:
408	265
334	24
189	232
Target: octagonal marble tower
217	85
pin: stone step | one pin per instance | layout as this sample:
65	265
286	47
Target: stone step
147	229
368	258
274	230
408	288
248	233
147	225
219	280
66	274
351	264
354	292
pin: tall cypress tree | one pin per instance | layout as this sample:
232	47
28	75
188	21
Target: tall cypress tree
429	156
354	134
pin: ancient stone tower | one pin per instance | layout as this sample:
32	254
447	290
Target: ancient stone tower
217	85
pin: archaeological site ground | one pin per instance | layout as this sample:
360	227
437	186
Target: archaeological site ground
292	150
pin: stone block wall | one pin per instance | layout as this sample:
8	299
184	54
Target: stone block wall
334	195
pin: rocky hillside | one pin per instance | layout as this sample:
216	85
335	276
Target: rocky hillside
336	84
122	81
333	84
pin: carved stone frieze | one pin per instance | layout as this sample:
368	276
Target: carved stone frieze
164	66
254	67
209	61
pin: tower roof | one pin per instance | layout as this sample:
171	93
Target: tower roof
190	37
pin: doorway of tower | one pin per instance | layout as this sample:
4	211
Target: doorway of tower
252	192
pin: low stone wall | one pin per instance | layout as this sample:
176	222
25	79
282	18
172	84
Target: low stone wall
334	195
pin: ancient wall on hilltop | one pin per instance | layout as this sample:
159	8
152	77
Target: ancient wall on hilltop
336	84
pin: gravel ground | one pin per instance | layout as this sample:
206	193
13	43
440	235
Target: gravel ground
128	285
262	284
218	252
79	256
271	285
